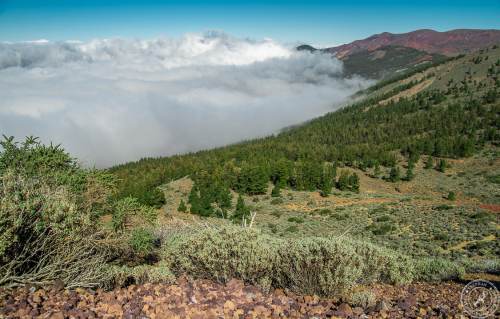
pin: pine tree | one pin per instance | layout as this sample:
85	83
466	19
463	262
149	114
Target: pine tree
281	172
276	192
182	207
413	158
354	182
429	163
409	174
252	180
325	190
241	211
395	174
451	196
377	172
409	171
441	166
205	204
194	200
223	197
343	182
327	180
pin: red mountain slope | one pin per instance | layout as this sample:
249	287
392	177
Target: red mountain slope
447	43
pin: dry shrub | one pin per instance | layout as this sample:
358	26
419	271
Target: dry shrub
309	265
75	262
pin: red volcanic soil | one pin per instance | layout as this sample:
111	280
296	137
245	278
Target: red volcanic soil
447	43
206	299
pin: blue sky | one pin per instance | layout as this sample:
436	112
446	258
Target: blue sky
316	22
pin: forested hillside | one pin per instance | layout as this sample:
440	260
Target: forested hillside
447	110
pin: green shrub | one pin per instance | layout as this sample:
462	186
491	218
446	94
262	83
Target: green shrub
49	207
276	192
126	208
182	207
142	241
294	219
384	218
443	207
382	229
451	196
493	178
438	269
154	197
442	236
292	229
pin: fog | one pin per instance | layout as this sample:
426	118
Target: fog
112	101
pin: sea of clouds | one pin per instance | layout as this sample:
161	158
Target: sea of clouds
112	101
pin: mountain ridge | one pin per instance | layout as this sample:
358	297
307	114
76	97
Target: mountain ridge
452	42
384	54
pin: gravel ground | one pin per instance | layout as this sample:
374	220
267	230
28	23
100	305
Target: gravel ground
189	298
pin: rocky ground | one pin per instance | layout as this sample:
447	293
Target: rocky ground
205	299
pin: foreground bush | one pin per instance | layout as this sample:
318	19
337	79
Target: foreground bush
310	265
142	241
49	207
44	236
75	263
222	254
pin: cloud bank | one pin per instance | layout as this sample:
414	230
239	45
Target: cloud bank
111	101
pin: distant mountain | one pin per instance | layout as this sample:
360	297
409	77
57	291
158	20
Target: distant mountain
385	54
382	62
448	43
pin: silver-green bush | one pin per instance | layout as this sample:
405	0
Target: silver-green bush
222	254
438	269
309	265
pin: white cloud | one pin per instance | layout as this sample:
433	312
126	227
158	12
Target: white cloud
110	101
